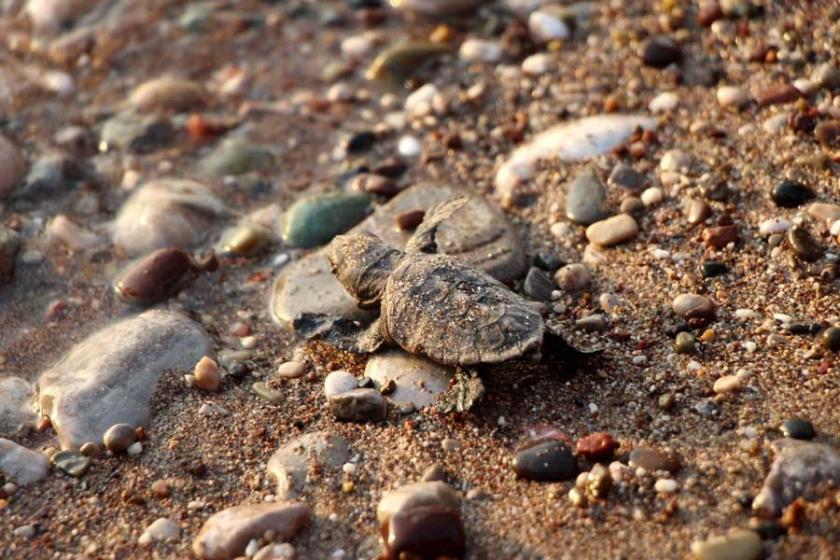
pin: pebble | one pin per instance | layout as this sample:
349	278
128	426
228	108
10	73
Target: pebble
727	384
282	551
585	198
652	196
168	93
338	382
696	210
155	277
422	520
660	52
16	410
675	160
592	323
624	176
359	405
134	449
653	460
599	446
827	213
316	219
547	461
244	240
546	27
804	244
739	544
481	50
537	64
21	465
827	76
720	236
790	194
710	269
777	95
799	468
12	167
573	277
685	343
538	284
73	236
87	391
119	438
398	63
436	8
71	463
292	462
830	338
269	395
162	529
227	533
52	175
774	225
691	306
417	380
664	102
409	146
666	486
166	213
235	157
290	370
207	375
612	231
732	97
137	133
24	531
10	244
798	428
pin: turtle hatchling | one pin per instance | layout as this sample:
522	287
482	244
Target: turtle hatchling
430	304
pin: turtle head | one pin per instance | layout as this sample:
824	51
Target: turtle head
363	263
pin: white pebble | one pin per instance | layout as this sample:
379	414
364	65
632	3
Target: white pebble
248	342
25	531
835	228
750	346
356	47
134	449
252	548
774	225
480	50
666	485
419	103
162	529
746	314
776	123
732	96
536	64
674	160
661	254
59	83
639	360
652	196
409	146
546	27
339	382
727	384
665	101
348	468
340	92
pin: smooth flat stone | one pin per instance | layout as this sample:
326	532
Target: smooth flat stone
226	534
690	306
828	213
71	462
168	93
21	465
798	469
12	167
538	284
585	198
573	141
290	464
790	194
613	231
419	381
359	405
653	460
316	219
166	213
547	461
89	390
16	405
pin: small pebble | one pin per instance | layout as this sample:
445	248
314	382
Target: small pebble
207	376
119	438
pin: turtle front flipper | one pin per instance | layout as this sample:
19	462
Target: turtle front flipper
345	334
362	263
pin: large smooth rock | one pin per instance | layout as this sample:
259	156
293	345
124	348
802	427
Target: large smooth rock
307	287
419	381
22	465
290	463
166	213
16	409
226	534
110	377
573	141
12	167
798	469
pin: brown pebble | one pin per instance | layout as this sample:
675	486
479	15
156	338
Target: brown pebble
599	446
410	219
693	306
696	210
207	375
119	438
90	449
778	95
828	133
196	468
653	460
375	184
160	488
720	236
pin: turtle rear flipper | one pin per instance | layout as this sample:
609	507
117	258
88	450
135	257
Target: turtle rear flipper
344	334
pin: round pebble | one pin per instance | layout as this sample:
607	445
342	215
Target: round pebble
339	382
207	374
548	461
573	277
119	438
691	306
291	370
798	428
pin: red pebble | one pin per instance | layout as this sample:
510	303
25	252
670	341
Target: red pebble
599	446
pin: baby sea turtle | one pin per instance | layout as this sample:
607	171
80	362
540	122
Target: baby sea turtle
432	304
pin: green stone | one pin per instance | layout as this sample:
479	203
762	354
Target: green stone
315	220
269	395
71	463
684	344
235	157
9	247
400	62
